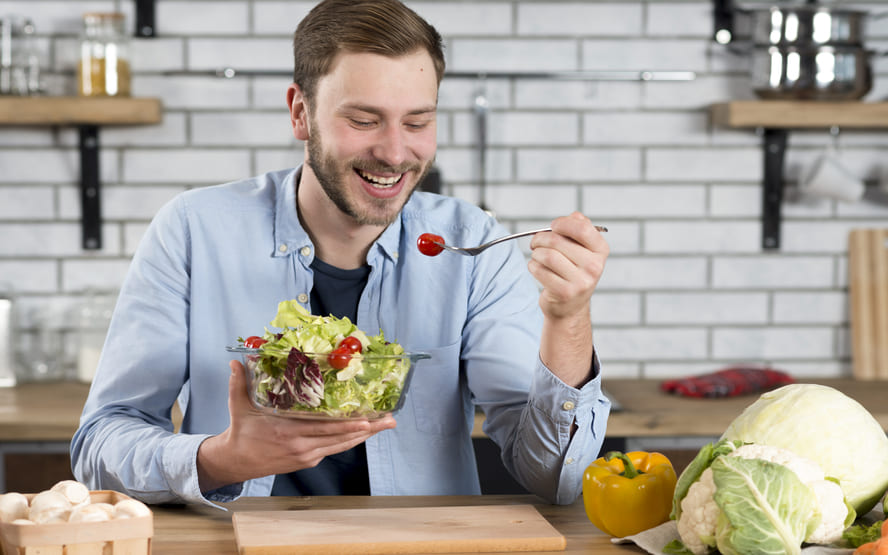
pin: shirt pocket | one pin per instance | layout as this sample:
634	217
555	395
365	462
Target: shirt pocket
435	394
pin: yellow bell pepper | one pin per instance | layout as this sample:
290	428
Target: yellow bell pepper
627	493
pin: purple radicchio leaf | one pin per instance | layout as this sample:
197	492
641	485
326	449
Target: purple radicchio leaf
280	401
303	379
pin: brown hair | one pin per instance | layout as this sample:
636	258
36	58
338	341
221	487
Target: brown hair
386	27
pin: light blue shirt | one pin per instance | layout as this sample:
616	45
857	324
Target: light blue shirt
213	266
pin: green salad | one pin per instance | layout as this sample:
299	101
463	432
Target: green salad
324	365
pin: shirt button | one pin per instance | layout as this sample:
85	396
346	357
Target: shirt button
395	255
305	251
569	460
282	248
568	405
302	298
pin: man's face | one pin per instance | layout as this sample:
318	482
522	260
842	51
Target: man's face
372	132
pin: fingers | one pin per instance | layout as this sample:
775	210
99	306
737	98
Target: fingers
574	234
568	263
573	251
274	444
313	441
385	423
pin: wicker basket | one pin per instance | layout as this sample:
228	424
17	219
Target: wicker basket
124	536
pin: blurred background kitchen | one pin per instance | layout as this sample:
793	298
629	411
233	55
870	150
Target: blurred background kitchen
550	106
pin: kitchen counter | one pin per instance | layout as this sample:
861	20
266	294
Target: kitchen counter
198	530
648	412
51	411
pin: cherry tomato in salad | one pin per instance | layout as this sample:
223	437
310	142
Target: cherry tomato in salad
339	357
254	342
427	244
352	344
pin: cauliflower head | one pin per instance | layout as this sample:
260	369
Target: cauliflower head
699	515
820	513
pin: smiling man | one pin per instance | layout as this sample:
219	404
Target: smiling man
510	336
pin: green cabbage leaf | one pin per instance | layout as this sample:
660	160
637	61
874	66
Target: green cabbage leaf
703	460
765	508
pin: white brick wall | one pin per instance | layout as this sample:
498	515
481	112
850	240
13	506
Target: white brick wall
687	289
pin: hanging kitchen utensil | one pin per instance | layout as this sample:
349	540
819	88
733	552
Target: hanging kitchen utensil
480	108
829	177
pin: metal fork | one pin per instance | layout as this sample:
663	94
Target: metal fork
472	251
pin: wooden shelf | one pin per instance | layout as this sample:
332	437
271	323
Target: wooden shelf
72	110
787	114
87	114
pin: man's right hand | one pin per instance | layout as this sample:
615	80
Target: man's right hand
256	445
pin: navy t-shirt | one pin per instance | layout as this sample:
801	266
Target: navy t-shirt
335	292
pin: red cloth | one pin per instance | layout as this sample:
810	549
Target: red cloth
728	382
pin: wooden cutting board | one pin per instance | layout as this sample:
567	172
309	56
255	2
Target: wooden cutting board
868	292
476	529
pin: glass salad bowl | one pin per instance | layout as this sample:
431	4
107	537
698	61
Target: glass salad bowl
294	384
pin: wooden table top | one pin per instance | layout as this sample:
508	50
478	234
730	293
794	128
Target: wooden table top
51	411
198	530
47	411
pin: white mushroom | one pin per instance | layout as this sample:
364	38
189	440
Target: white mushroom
48	501
90	513
131	508
76	493
13	506
107	507
50	515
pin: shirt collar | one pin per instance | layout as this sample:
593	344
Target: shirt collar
289	235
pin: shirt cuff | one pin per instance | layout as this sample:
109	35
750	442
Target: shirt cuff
180	466
559	400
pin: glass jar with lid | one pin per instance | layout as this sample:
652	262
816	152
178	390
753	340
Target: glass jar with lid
94	317
104	68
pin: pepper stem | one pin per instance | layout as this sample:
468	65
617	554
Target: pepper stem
629	470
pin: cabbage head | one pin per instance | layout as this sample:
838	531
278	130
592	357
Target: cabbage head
825	425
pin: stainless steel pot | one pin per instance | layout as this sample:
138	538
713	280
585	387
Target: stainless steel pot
811	73
807	25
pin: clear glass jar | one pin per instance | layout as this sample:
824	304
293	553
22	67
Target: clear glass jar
104	56
94	318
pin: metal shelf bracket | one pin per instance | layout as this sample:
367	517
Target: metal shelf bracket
774	147
145	18
90	188
723	21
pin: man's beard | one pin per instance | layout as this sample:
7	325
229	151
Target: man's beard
332	174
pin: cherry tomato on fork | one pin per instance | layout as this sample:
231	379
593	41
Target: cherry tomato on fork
254	342
427	244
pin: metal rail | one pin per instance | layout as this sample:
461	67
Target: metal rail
628	75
